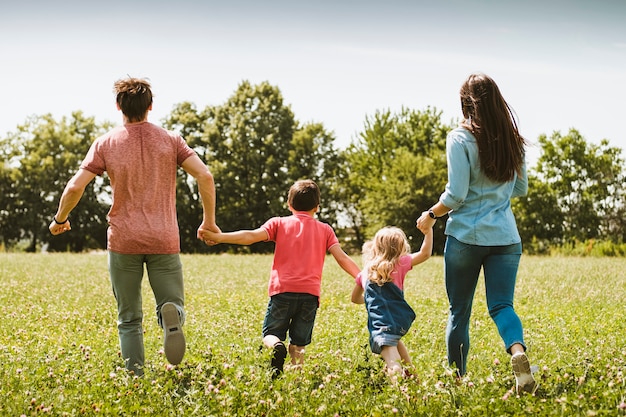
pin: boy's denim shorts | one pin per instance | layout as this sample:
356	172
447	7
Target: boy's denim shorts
291	312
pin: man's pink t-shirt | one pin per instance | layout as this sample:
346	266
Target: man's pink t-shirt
301	245
399	272
141	160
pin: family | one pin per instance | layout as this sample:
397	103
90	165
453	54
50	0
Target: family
486	168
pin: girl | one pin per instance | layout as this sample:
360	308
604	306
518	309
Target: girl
380	286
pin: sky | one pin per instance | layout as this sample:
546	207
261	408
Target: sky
559	64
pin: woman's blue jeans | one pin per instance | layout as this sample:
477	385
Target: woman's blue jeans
462	265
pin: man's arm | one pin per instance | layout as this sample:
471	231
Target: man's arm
72	193
206	186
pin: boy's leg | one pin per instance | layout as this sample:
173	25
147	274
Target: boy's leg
126	272
270	341
301	328
279	353
297	354
166	279
275	327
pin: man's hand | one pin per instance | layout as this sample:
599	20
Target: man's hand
202	233
57	229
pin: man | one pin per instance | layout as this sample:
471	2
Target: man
141	160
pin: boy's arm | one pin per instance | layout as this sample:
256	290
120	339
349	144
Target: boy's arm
239	237
425	251
345	262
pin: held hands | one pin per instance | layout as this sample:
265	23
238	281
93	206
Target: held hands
425	223
209	236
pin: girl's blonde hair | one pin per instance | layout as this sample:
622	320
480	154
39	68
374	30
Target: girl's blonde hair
381	254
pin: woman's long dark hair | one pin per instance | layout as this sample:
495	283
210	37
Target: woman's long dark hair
492	121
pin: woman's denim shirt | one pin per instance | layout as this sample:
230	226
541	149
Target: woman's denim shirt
481	208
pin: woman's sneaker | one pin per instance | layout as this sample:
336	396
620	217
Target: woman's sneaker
173	339
524	380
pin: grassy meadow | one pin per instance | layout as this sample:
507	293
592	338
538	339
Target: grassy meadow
60	354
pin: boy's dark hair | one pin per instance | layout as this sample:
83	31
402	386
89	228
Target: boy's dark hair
134	97
304	195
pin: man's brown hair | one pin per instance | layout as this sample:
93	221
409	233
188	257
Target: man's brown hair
134	97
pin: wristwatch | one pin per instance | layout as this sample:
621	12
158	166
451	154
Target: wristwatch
432	215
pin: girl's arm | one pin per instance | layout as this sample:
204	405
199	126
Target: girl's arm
357	294
425	251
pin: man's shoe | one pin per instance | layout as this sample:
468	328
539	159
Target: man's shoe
173	339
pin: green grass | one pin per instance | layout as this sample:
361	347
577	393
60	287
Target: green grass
60	355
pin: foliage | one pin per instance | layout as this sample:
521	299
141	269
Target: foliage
312	155
190	123
39	158
60	354
395	170
576	192
256	149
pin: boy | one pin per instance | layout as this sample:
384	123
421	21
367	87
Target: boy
296	276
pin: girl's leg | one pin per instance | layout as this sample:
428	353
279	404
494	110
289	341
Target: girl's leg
126	273
462	265
404	354
393	360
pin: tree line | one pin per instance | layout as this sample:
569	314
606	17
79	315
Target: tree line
256	148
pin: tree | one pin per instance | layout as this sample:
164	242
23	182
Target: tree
250	138
396	169
538	216
41	156
6	199
577	191
312	155
255	149
190	123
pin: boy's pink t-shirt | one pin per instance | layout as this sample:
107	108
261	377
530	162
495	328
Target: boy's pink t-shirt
301	245
141	160
399	272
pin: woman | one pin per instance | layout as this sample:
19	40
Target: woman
486	168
